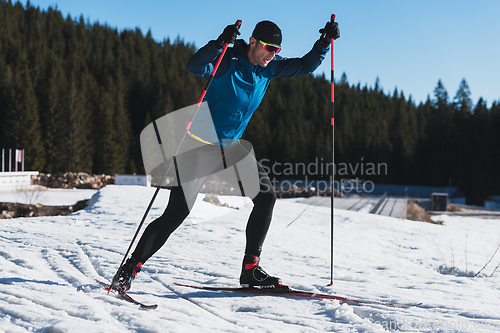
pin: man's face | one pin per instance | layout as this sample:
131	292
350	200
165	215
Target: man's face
257	55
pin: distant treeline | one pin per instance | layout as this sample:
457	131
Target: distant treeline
77	95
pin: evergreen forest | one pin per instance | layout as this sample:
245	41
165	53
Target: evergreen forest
76	96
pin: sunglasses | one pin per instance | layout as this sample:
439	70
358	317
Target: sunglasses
270	47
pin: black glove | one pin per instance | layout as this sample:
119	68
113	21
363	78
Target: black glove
228	36
331	30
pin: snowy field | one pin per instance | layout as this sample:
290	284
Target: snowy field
48	266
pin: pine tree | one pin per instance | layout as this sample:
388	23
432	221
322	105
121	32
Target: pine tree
79	157
55	117
495	142
462	99
20	116
480	141
423	163
442	100
461	133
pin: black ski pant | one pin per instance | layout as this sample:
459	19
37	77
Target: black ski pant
203	162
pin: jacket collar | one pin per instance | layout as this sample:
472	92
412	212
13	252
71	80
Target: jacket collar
241	49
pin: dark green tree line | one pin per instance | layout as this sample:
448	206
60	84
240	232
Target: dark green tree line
434	143
77	95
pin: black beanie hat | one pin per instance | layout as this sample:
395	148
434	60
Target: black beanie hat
268	32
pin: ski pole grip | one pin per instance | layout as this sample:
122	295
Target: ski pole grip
238	23
332	19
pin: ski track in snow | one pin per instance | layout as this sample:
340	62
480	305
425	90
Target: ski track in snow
49	266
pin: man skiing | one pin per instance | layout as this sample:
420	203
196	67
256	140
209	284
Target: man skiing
235	93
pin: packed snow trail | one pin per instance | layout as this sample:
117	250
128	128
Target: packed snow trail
49	265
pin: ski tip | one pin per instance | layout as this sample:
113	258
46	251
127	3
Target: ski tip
416	304
149	307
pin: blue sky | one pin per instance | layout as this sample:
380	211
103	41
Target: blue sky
407	44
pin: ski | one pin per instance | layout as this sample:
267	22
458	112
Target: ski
127	296
284	290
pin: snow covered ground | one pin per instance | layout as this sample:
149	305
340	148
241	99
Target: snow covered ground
48	266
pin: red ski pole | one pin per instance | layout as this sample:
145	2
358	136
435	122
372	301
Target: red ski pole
332	83
238	23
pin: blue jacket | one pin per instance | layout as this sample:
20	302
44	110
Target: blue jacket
238	87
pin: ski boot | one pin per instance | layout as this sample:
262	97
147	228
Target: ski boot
127	273
252	275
